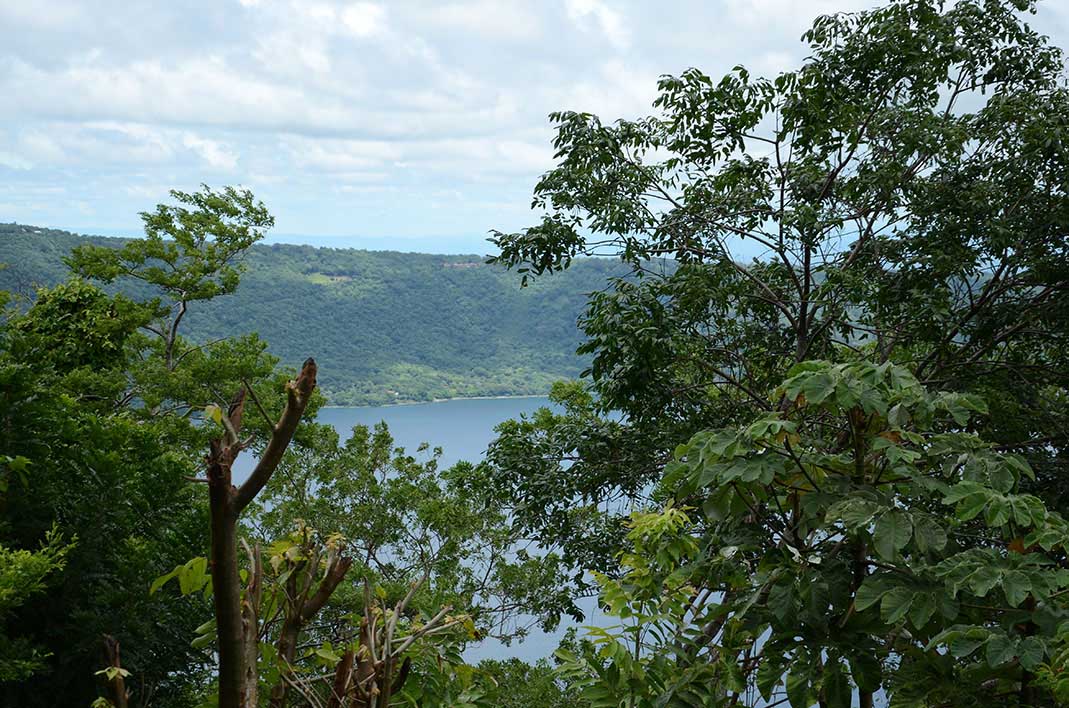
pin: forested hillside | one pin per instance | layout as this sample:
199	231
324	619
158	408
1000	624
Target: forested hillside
387	326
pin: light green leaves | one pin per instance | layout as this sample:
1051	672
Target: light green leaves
213	413
192	577
974	498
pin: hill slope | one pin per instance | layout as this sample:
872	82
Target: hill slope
385	326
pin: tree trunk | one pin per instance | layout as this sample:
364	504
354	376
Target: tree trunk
339	695
287	654
238	651
226	588
250	624
116	685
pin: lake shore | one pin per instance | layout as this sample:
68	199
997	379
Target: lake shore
444	400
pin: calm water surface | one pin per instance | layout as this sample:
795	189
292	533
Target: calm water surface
462	428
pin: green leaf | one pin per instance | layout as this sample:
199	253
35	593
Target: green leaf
922	609
928	534
798	688
965	643
769	674
1000	649
983	579
837	691
893	531
866	671
997	512
896	604
1016	585
161	581
870	592
214	413
1031	652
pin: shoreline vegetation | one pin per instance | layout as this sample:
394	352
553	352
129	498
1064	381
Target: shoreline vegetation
442	400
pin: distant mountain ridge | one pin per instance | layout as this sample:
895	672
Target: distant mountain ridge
385	326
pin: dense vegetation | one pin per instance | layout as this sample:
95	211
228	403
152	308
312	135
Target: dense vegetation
831	475
388	327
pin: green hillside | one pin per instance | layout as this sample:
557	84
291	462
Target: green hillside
385	326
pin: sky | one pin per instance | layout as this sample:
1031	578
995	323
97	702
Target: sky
413	126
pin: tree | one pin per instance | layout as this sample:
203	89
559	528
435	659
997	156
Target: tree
856	537
98	396
405	520
900	196
71	455
189	253
22	575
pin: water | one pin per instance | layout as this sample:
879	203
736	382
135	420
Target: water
463	429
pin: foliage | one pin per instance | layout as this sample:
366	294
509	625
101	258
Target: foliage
855	536
24	574
81	464
403	518
899	196
521	685
375	336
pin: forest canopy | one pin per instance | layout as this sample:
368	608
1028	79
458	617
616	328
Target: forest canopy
829	472
392	327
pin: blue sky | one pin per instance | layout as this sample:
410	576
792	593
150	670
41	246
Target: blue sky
401	125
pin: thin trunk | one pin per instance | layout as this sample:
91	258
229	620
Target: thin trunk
342	675
116	685
250	624
226	588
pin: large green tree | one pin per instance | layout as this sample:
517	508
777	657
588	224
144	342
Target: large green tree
98	394
899	196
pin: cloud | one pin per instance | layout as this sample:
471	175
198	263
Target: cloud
364	19
491	19
607	20
14	162
214	153
347	115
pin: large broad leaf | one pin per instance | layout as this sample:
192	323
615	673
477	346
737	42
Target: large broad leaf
1016	585
967	642
1000	649
1031	651
866	671
872	589
836	686
769	674
854	512
798	687
922	609
896	604
893	531
928	534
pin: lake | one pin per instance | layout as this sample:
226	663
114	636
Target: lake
463	428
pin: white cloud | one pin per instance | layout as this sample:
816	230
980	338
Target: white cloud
364	19
332	107
491	19
794	16
213	152
608	21
334	155
14	162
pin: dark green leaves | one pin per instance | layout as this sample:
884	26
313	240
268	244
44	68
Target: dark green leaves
893	531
